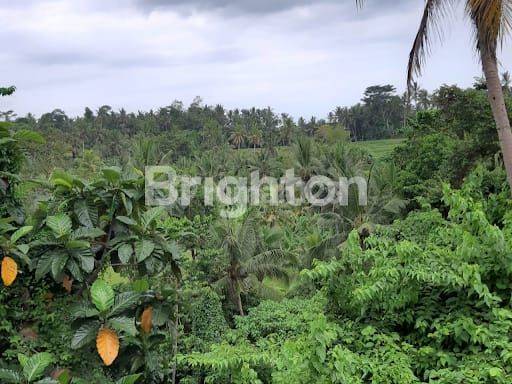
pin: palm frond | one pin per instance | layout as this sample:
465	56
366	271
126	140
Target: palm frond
267	292
492	19
221	286
435	11
247	237
274	256
272	263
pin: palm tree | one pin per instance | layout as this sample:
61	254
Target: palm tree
491	20
255	138
249	261
237	138
6	91
383	191
8	115
147	152
305	161
287	129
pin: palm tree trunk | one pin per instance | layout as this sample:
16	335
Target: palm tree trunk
499	110
239	304
234	291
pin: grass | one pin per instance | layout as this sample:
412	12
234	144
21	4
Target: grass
379	148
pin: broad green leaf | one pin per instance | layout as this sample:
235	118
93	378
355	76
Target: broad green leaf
59	261
113	278
124	324
74	269
64	377
22	256
82	311
126	220
87	263
172	248
131	379
128	206
36	365
47	380
82	213
25	135
64	177
112	174
85	335
495	372
24	248
124	301
161	314
77	380
87	233
102	295
22	359
151	215
20	233
44	264
143	249
60	224
78	244
141	285
9	376
62	183
125	253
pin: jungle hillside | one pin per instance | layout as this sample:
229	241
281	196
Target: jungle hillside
410	285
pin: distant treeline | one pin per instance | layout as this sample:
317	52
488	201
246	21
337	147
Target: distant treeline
185	130
379	115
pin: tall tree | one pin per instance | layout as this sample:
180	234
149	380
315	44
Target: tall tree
491	21
237	138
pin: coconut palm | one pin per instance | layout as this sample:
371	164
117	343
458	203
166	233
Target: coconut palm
383	201
491	21
249	261
237	138
287	129
305	158
255	138
145	152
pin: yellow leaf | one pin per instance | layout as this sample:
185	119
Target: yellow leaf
107	344
9	271
146	320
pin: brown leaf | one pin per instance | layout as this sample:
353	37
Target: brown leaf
67	283
48	296
9	271
56	373
29	333
107	344
146	320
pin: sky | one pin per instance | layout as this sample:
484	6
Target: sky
296	56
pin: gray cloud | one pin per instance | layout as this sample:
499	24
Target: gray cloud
262	6
57	58
298	56
67	59
243	6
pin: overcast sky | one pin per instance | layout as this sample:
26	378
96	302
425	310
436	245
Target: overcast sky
297	56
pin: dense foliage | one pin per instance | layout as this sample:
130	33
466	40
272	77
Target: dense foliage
414	287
